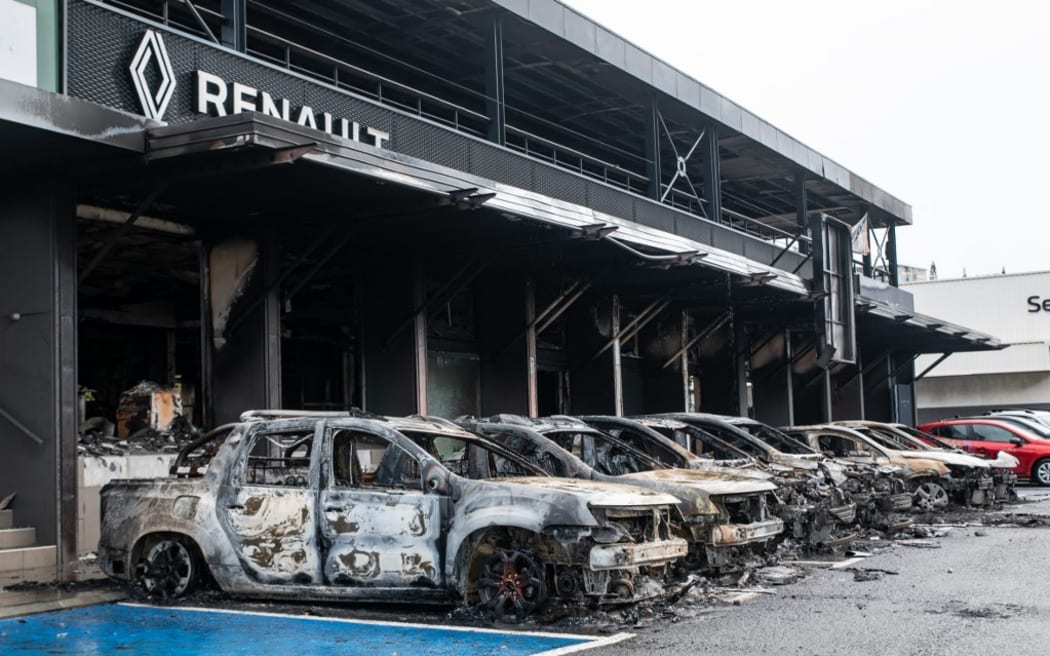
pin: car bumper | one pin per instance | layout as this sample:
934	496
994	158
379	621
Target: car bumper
728	535
620	556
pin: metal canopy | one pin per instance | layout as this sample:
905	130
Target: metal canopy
40	127
212	136
892	327
575	94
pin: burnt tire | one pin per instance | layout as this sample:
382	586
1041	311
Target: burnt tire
929	495
168	568
511	584
1041	472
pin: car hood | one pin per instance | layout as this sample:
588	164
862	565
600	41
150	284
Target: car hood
947	458
715	483
919	466
597	494
743	468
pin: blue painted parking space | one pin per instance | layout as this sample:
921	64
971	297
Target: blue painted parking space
153	631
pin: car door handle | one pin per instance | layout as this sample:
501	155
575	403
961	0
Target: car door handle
333	509
235	506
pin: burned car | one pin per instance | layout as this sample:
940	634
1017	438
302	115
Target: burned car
815	506
880	495
338	506
913	442
927	479
726	518
970	478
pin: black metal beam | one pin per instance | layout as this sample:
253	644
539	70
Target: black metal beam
495	90
235	24
712	173
891	253
652	148
801	209
125	227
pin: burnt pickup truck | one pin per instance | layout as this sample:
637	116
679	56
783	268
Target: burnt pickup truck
344	506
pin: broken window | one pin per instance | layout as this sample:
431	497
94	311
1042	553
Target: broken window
701	444
369	461
279	459
604	453
779	441
473	459
843	447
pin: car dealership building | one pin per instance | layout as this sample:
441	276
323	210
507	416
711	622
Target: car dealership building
1016	309
454	207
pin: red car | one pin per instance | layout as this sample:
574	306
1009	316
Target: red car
988	436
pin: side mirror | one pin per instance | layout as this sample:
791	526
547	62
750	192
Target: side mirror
435	479
1016	441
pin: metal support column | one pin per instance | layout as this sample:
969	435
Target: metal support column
420	294
712	173
652	149
530	348
494	88
801	210
684	361
741	356
271	308
789	379
825	401
891	253
235	24
860	391
617	364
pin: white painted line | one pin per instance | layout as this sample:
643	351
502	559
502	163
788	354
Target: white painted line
592	641
846	563
592	644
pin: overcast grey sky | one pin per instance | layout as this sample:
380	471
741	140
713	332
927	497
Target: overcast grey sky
943	104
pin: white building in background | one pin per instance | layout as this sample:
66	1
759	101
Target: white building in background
1014	308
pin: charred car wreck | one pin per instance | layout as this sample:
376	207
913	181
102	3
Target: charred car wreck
340	506
816	509
928	480
907	440
728	519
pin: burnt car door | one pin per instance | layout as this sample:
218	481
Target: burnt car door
379	527
267	505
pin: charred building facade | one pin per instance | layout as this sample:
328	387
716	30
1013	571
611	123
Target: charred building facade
412	206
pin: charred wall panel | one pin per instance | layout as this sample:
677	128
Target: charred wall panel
390	365
633	387
501	321
772	402
38	387
245	349
588	328
663	388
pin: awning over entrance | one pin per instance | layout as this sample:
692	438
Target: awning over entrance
899	329
263	134
42	127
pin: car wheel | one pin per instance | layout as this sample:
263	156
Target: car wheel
929	495
168	568
511	583
1041	472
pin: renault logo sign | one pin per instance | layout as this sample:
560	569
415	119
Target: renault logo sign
151	50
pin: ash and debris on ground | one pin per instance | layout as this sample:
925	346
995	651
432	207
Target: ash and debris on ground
135	431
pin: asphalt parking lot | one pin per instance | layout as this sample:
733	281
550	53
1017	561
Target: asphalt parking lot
971	585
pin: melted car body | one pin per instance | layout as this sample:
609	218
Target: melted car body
362	507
